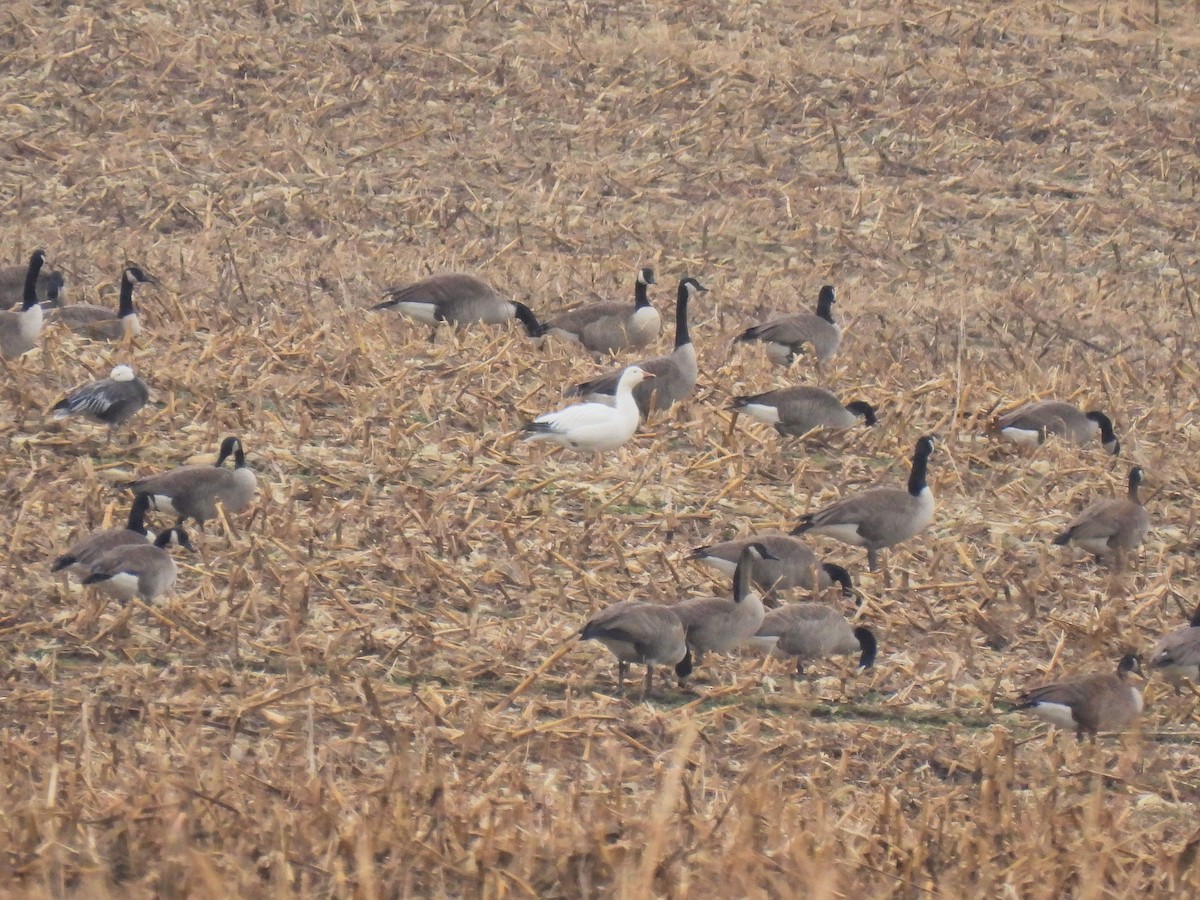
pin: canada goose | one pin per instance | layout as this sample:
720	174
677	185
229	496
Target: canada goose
794	564
192	492
608	327
1090	703
674	374
138	570
812	631
1177	653
881	516
1110	526
592	426
51	287
1032	422
84	552
102	323
785	335
19	329
458	300
641	633
717	625
110	401
795	411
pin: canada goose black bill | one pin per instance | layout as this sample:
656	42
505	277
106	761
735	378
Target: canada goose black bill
458	300
794	565
1177	653
879	517
19	329
111	401
675	374
1032	422
785	336
609	327
1089	704
813	631
718	625
795	411
83	553
644	633
102	323
192	492
138	570
1110	527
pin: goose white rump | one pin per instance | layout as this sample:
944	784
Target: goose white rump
593	426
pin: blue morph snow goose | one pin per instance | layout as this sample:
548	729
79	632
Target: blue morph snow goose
111	401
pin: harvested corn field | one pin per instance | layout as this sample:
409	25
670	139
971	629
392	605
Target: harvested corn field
367	683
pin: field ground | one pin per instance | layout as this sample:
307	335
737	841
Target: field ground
349	694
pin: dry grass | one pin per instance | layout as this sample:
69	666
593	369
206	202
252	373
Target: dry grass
343	703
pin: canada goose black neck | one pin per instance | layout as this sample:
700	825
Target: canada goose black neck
838	575
125	307
825	301
1107	434
525	315
29	297
1135	480
743	575
866	641
686	286
228	448
1129	663
641	293
864	409
1194	621
683	668
920	463
137	514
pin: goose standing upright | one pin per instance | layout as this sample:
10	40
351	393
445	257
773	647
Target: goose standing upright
674	374
1088	704
19	329
192	492
644	633
111	401
593	426
609	327
795	411
1032	422
785	336
102	323
1109	527
879	517
458	300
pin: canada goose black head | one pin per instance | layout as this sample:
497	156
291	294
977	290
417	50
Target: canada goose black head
683	668
825	301
231	446
866	640
646	276
1108	437
1135	481
29	298
839	576
864	409
173	537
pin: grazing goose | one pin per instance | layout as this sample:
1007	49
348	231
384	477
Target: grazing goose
51	287
713	624
192	492
786	335
795	411
1091	703
644	633
19	329
458	300
881	516
138	570
1110	526
1177	653
111	401
812	631
794	565
674	374
84	552
1032	422
609	327
102	323
592	426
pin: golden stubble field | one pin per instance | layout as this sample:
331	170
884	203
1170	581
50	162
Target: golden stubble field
347	696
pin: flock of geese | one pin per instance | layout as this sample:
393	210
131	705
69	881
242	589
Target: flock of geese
131	562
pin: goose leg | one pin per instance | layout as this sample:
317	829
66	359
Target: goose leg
872	559
622	668
649	683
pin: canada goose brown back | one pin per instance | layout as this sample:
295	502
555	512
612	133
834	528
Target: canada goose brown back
609	327
795	411
1088	704
102	323
719	625
111	401
1110	526
81	555
1031	423
138	570
795	565
812	631
19	329
785	336
458	300
879	517
1177	653
192	492
645	633
51	287
674	375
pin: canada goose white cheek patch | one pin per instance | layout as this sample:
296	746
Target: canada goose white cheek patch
1056	714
